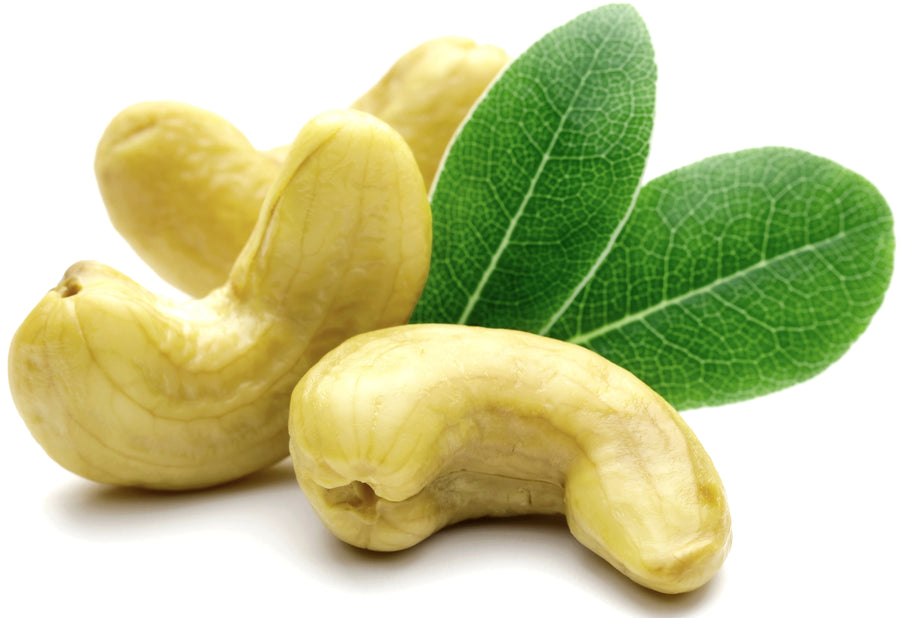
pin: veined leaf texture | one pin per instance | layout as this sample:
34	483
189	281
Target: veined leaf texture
727	279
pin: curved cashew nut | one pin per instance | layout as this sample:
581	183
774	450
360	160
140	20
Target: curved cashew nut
183	186
123	386
400	432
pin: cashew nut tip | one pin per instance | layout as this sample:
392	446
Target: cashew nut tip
429	91
184	187
123	386
400	432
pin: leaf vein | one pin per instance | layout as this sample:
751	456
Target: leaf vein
475	296
641	316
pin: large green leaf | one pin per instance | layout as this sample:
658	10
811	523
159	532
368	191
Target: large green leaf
737	276
728	279
542	174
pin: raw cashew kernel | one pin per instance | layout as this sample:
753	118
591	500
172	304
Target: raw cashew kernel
400	432
123	386
183	186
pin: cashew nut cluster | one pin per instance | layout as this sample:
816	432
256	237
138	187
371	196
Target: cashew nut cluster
183	186
123	386
400	432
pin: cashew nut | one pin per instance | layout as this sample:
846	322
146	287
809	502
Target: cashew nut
183	186
122	386
400	432
430	90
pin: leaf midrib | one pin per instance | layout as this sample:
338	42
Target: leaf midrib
475	296
586	338
589	276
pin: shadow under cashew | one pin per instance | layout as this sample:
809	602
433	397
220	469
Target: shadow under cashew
268	503
90	498
611	583
492	544
270	506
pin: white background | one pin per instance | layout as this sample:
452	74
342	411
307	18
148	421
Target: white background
811	472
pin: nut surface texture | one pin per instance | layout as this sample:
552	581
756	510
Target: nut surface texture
400	432
429	92
183	186
123	386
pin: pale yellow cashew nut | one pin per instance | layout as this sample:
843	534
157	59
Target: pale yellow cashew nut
183	186
430	90
123	386
398	433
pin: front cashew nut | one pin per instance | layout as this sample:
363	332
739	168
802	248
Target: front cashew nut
122	386
398	433
183	186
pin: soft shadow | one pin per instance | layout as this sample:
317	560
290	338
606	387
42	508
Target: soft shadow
272	507
100	511
612	583
90	495
542	541
447	553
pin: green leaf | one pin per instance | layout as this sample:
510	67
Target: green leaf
725	280
542	174
737	276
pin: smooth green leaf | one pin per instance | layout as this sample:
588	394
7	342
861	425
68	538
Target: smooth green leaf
737	276
725	280
542	174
